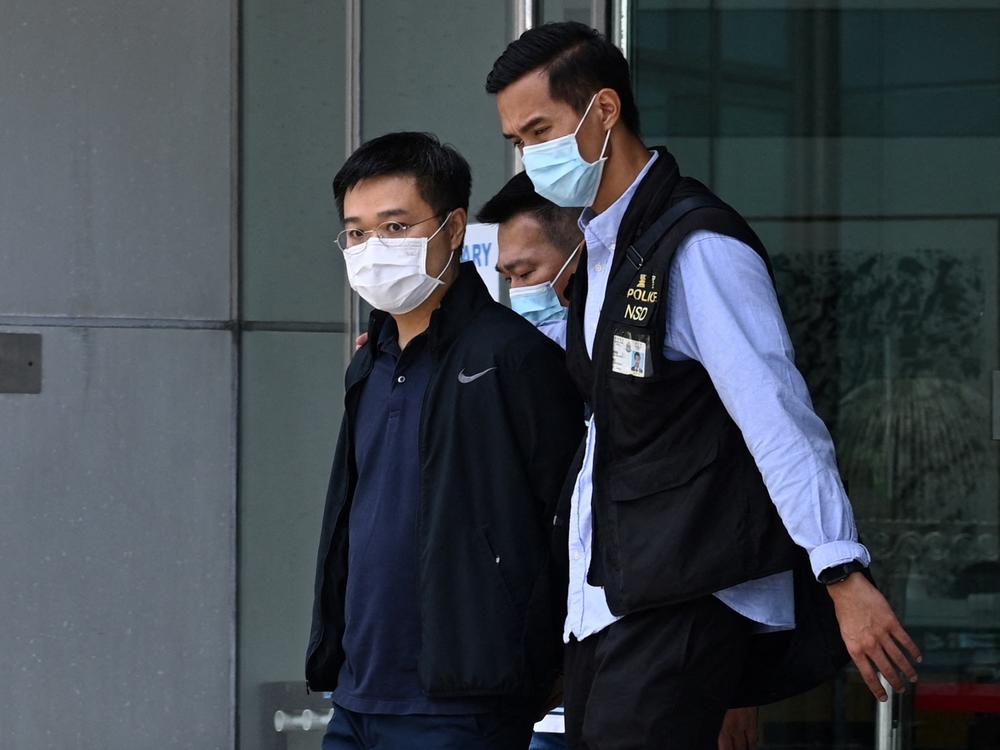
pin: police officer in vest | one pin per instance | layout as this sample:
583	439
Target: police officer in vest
539	245
707	510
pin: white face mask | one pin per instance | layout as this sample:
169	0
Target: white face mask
391	273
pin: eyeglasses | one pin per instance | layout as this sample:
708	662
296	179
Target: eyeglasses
387	230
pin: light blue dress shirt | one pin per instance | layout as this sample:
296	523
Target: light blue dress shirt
722	310
555	330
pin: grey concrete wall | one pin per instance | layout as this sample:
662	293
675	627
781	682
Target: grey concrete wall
115	147
117	481
118	525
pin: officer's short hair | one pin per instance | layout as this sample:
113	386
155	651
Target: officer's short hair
579	62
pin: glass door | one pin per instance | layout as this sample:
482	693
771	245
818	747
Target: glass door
862	140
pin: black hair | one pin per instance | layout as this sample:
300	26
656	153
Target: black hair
517	197
443	176
579	62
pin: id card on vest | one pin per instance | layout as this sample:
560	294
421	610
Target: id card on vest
628	356
632	348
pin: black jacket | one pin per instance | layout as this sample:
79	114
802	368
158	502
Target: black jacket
494	451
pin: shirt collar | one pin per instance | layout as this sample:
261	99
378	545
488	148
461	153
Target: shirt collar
603	227
388	337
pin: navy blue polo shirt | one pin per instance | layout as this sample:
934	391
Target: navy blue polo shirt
382	628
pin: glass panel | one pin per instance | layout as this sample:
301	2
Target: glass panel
292	134
863	145
551	11
291	404
424	67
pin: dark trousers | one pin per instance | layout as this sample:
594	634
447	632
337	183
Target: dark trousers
349	730
655	680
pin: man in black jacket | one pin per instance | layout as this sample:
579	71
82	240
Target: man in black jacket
437	609
707	509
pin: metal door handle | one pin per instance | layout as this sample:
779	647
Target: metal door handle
888	735
306	721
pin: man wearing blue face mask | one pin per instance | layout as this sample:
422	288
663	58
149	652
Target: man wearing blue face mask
713	556
437	601
539	245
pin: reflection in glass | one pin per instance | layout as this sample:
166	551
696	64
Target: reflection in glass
863	145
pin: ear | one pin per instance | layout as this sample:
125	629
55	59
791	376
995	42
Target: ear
610	106
456	228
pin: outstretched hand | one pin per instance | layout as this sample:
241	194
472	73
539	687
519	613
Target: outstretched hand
873	635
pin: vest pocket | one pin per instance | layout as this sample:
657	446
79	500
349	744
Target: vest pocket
632	479
673	527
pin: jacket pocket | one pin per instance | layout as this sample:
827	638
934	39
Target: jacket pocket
497	565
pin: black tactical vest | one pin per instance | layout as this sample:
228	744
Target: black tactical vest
679	507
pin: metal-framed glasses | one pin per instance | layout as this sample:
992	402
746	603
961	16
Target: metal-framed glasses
387	230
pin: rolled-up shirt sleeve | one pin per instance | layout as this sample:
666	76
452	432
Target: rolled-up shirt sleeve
723	312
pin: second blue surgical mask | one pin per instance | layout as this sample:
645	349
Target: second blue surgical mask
540	303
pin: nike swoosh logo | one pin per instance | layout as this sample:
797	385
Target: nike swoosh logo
463	378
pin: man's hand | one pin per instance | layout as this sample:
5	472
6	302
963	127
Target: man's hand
739	729
873	636
361	341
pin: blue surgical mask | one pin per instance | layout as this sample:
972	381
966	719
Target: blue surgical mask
560	173
539	303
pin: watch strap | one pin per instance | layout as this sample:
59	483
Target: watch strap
838	573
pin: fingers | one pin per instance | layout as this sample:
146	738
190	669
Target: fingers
739	730
887	658
739	741
727	731
733	741
888	669
869	676
899	661
904	640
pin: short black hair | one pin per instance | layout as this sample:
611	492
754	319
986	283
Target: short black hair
579	60
443	176
518	196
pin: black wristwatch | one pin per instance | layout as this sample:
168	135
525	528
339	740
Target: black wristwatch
838	573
